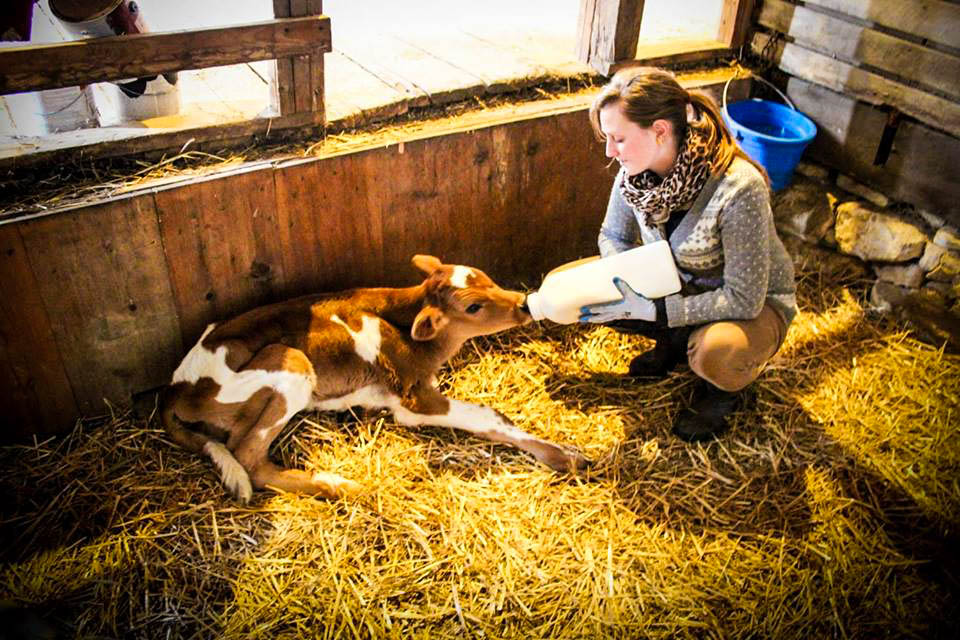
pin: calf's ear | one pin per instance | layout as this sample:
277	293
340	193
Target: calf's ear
428	324
427	264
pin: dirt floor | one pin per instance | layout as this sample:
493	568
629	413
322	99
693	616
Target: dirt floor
830	509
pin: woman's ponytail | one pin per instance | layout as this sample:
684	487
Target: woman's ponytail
718	135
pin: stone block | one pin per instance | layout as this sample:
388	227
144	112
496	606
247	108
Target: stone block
862	190
804	209
885	296
905	275
947	238
813	170
932	253
872	235
947	269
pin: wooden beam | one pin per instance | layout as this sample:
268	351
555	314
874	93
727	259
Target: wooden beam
674	52
607	32
863	84
854	43
100	59
211	137
310	67
735	21
300	79
286	100
934	20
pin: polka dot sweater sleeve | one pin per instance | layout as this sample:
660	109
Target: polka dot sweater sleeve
754	267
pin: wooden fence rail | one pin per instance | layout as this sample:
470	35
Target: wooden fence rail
297	39
79	62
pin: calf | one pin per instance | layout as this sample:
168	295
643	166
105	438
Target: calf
378	348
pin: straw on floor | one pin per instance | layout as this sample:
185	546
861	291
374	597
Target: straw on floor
830	509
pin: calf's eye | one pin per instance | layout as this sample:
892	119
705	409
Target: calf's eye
473	308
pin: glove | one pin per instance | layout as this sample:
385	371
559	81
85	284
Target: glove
633	306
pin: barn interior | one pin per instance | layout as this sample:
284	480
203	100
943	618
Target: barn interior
307	146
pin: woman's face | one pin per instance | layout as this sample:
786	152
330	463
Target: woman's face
636	148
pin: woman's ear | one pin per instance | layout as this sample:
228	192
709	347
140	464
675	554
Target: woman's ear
663	129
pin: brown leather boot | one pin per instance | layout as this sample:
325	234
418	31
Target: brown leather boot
707	415
669	351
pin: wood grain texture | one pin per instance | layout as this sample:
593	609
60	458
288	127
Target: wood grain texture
102	276
37	397
498	70
507	199
358	100
608	31
146	54
736	18
935	20
141	140
330	223
859	45
285	86
223	253
316	85
839	76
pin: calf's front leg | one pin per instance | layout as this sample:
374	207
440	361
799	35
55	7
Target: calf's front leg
430	407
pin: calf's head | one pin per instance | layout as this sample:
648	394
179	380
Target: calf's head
464	302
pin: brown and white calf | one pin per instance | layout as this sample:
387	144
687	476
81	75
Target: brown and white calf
376	348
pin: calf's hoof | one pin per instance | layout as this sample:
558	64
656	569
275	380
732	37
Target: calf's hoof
333	486
568	459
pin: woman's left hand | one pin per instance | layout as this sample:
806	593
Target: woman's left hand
633	306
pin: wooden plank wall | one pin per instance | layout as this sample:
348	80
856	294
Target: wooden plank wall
37	396
919	168
875	57
99	303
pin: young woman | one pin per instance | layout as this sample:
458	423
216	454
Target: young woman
684	179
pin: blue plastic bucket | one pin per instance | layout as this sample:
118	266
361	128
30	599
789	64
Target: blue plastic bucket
772	134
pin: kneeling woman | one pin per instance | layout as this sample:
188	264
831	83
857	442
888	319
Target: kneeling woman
684	179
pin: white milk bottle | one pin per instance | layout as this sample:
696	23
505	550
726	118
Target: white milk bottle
648	269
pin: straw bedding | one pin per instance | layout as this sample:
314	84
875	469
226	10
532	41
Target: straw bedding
829	510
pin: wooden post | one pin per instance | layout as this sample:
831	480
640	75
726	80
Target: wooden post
735	21
607	32
284	86
300	79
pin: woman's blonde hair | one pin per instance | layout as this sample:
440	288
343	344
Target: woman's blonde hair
648	94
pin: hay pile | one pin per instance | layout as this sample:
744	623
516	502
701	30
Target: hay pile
829	510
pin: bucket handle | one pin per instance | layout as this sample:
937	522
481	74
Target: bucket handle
761	79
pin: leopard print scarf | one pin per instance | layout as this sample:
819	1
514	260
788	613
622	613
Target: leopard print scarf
656	198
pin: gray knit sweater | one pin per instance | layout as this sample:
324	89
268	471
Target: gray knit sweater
727	250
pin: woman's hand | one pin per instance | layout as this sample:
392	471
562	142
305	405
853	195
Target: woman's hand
633	306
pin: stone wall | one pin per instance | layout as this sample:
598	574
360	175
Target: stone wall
913	256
